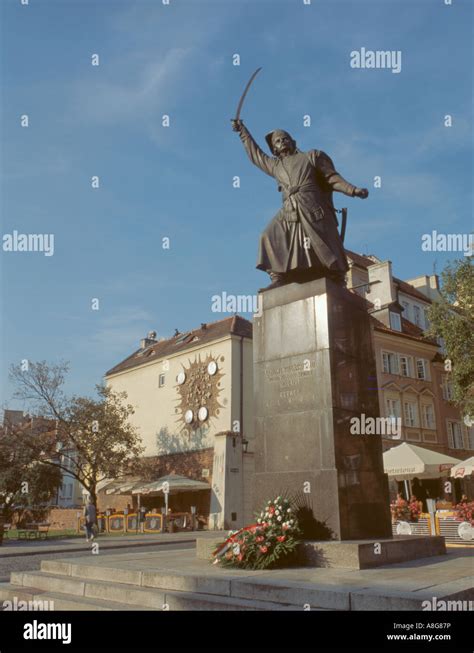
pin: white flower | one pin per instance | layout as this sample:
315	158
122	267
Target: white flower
236	549
291	522
279	518
289	510
259	521
277	512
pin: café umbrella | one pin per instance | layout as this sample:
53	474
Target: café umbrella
407	461
171	484
463	469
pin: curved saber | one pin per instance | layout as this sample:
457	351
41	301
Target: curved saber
241	101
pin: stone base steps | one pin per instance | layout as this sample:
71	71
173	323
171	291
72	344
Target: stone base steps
356	554
75	585
57	600
78	587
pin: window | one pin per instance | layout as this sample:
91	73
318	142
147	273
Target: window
389	363
393	413
469	436
406	310
427	413
447	388
411	413
421	369
455	438
417	313
393	407
395	321
427	319
161	380
405	365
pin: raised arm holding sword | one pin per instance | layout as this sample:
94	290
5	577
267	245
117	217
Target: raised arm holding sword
302	242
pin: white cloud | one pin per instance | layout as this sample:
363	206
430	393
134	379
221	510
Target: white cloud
120	332
147	90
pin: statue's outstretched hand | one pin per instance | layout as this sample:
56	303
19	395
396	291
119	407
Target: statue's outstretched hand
237	125
363	193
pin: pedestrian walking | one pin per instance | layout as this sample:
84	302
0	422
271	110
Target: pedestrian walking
90	518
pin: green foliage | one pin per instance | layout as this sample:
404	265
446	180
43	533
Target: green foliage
25	484
91	438
310	527
452	319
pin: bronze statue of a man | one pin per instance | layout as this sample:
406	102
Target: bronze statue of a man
302	241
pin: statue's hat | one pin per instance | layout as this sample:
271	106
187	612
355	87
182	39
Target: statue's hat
269	136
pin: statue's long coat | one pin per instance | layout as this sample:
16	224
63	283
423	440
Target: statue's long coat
304	233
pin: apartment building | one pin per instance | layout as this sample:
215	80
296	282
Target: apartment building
192	394
412	381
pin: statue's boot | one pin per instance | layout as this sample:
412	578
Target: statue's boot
278	279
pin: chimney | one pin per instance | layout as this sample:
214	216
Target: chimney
149	340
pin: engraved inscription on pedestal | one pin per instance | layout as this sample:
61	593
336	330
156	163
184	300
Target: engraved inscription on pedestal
289	384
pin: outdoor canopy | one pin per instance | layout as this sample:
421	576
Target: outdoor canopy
408	461
464	468
175	484
139	486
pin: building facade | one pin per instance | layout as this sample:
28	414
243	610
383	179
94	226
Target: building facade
412	381
193	392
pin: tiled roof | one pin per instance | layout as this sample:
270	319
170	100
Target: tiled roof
409	330
406	288
359	259
207	333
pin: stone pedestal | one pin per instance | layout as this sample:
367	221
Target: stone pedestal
314	370
226	510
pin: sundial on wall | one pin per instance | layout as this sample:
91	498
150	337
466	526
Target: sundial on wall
199	386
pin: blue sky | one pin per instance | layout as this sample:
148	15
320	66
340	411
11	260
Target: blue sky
176	182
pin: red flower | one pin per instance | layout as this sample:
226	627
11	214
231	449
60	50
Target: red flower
263	549
281	538
260	538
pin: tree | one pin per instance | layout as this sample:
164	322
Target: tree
452	319
93	439
24	484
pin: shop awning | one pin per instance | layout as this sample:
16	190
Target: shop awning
175	484
122	486
463	469
408	461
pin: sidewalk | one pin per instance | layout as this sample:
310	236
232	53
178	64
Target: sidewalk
24	547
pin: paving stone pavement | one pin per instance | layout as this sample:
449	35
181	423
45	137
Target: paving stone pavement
28	547
33	562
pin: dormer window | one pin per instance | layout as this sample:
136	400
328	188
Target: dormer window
417	312
395	321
